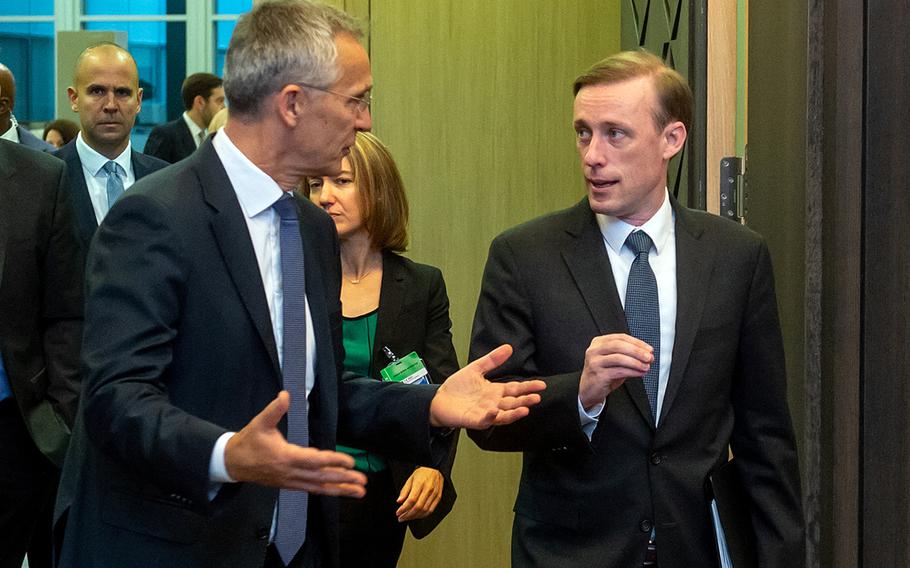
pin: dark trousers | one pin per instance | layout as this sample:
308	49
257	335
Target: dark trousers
371	536
28	485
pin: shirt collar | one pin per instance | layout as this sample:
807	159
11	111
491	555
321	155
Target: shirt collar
12	133
94	161
194	128
255	190
659	227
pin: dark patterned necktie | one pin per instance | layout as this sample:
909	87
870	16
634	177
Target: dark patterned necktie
643	310
292	505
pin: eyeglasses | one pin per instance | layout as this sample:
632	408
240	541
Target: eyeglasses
360	103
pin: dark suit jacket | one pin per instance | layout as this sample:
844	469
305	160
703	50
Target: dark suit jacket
40	294
171	141
84	213
548	289
178	349
29	140
414	316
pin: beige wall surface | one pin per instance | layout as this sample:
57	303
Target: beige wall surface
474	99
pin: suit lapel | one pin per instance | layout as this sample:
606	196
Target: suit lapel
83	210
141	166
588	262
188	145
694	264
232	236
391	299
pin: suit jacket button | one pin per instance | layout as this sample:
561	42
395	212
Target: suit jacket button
646	526
262	533
655	459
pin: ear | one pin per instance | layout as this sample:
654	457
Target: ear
4	105
139	99
290	102
674	136
198	102
74	98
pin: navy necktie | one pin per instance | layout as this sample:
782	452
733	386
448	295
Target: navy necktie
292	505
114	183
643	310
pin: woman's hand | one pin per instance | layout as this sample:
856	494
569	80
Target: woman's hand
420	494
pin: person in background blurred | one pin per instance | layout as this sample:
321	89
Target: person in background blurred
218	121
203	97
391	307
60	132
9	126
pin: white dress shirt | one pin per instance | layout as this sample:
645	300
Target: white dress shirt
96	176
256	192
197	133
662	258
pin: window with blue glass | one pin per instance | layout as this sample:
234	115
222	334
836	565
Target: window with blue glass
228	10
156	36
27	49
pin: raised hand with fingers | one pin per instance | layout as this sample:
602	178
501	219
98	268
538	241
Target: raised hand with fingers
468	400
609	361
259	453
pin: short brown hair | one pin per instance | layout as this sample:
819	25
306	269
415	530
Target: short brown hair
380	193
674	96
383	202
67	129
198	85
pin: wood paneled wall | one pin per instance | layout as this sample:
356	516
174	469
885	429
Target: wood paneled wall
474	99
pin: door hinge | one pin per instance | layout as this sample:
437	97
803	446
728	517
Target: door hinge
733	189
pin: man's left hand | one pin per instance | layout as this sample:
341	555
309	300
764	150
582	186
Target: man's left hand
420	494
468	400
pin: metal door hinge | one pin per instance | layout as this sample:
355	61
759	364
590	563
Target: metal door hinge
732	189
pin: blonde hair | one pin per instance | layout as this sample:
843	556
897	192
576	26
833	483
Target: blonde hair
383	202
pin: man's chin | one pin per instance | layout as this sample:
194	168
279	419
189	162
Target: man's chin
602	204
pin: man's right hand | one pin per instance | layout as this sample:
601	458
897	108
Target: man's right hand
259	453
609	361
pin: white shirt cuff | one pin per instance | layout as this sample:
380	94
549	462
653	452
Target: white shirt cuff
588	419
217	468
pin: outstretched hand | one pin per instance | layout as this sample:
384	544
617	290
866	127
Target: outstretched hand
259	453
468	400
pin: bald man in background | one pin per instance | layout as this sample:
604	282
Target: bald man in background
100	162
9	126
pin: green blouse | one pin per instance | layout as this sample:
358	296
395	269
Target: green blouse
359	335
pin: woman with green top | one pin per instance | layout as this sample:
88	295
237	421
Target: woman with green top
391	307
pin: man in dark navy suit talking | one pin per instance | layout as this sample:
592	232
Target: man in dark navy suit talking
213	394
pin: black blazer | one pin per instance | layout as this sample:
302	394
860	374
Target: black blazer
171	141
83	212
414	316
40	294
548	289
178	349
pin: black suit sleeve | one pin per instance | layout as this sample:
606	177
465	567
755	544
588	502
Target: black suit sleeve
63	306
159	144
137	274
504	315
762	438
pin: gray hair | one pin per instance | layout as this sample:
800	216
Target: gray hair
279	43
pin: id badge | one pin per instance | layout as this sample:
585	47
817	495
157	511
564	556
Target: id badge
409	370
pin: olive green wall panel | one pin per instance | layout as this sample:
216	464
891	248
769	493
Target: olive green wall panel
474	99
